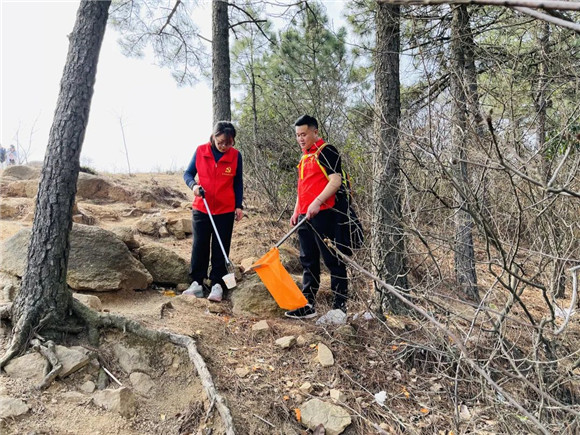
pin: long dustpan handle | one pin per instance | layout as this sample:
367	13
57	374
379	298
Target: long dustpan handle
216	231
283	239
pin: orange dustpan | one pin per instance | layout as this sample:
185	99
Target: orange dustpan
277	279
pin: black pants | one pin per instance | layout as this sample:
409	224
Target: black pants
311	236
203	239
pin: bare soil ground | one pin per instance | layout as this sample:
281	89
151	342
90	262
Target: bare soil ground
394	357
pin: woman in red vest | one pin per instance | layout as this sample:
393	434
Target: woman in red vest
217	168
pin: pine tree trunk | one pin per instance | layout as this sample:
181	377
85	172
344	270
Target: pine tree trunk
388	245
221	62
464	254
44	298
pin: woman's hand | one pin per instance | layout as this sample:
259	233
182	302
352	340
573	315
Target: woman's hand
239	214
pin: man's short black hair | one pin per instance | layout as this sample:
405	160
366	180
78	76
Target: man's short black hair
308	120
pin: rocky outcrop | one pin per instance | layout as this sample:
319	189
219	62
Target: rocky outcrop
21	172
94	187
98	260
165	266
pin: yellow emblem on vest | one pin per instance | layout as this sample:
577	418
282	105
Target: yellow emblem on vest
228	169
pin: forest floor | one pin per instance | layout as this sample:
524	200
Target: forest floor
260	381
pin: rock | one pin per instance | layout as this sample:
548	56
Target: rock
31	366
163	231
127	235
90	301
144	205
325	357
337	395
131	359
242	372
180	227
165	266
88	387
75	397
261	328
306	387
150	225
290	259
141	382
21	172
14	208
286	342
301	340
9	287
333	317
94	187
72	359
98	260
314	412
251	299
217	308
10	407
121	401
246	264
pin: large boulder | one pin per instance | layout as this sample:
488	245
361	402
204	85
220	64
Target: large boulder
98	260
251	299
10	187
165	266
21	172
94	187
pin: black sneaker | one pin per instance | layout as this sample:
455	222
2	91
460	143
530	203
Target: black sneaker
306	312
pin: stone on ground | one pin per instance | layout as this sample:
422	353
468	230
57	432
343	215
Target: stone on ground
314	412
286	342
325	357
120	400
10	407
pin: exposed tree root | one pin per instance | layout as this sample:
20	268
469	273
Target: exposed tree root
95	320
49	353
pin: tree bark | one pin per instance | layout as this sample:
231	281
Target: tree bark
221	62
388	245
44	298
461	42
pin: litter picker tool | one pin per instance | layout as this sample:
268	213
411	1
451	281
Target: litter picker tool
277	279
230	278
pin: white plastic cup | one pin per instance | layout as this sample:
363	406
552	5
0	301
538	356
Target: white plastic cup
230	280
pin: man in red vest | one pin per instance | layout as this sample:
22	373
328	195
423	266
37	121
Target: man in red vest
319	178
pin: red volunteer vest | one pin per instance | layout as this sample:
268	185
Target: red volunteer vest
217	179
311	179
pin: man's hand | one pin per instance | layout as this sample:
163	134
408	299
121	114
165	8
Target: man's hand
239	214
196	190
313	209
294	219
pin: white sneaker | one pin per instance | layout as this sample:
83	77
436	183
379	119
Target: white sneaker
194	290
216	293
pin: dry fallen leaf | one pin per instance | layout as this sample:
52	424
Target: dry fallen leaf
424	410
286	397
297	413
